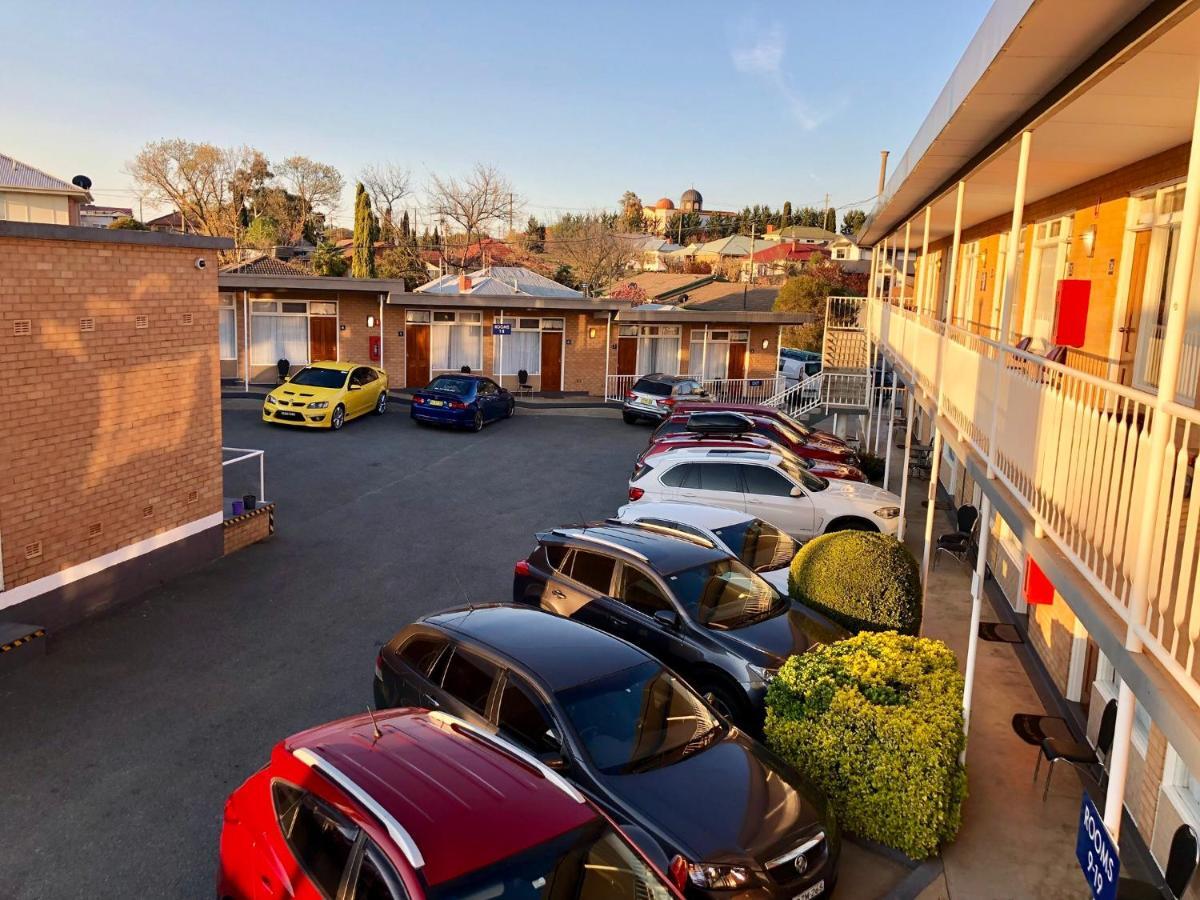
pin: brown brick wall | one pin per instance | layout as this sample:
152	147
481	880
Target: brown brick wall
116	427
248	528
1142	799
1050	629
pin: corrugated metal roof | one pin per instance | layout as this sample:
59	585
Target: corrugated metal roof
266	265
500	280
19	175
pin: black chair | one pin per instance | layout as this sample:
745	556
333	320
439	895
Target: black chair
283	367
466	370
958	543
1182	861
523	382
1079	754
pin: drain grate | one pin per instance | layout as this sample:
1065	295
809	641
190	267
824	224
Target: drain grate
1000	632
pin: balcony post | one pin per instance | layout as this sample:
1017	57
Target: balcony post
985	533
1161	429
908	432
904	264
1008	291
952	284
935	466
920	297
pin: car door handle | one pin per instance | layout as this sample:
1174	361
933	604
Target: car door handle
559	594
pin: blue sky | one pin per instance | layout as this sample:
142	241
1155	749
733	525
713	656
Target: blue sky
574	102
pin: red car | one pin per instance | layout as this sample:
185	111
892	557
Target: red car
415	804
749	441
761	409
811	445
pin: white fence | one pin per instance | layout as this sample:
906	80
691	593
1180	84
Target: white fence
722	390
243	456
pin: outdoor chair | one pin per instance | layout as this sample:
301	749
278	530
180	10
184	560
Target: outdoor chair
523	382
1182	860
283	367
958	543
1078	754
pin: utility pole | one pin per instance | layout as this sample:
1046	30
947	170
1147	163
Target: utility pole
510	212
825	215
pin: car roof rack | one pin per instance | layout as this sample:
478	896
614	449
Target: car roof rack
582	534
487	737
668	531
395	830
718	422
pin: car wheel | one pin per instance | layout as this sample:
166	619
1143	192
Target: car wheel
338	419
381	403
512	408
629	420
477	422
724	701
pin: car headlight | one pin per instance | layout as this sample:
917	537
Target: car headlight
270	399
763	674
887	512
319	404
704	875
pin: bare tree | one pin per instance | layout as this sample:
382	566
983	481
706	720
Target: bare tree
387	184
595	252
196	179
474	202
317	184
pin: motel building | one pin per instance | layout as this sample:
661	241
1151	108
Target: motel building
1048	341
532	335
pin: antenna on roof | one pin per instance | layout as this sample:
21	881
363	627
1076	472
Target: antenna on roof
374	724
462	590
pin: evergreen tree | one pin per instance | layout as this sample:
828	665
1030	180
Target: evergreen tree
785	218
852	221
535	236
437	239
829	222
405	226
366	232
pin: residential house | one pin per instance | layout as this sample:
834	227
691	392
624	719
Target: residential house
30	195
92	216
805	234
843	249
650	253
779	261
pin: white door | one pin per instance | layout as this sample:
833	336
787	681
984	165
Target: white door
769	497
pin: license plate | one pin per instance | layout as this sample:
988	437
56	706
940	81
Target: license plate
288	415
437	402
815	891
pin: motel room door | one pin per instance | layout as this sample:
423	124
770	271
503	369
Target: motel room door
416	355
627	352
552	348
737	360
322	338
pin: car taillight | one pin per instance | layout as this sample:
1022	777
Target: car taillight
630	395
418	401
521	568
678	871
636	493
457	404
668	403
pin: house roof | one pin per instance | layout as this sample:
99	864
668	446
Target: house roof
734	245
787	252
807	233
18	176
660	285
94	210
719	296
264	264
500	281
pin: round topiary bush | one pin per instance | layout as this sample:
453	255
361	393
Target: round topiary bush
860	579
875	721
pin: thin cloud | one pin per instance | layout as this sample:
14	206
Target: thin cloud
760	52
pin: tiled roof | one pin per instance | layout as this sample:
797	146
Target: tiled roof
16	174
726	296
661	284
787	253
265	265
807	232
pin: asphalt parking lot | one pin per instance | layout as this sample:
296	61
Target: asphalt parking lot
119	747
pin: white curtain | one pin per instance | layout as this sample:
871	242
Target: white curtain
519	350
454	346
658	354
273	338
228	329
713	364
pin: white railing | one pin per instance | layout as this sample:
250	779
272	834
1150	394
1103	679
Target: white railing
1189	364
801	398
844	342
1074	448
721	390
245	455
827	390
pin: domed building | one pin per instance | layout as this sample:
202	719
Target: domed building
664	203
691	201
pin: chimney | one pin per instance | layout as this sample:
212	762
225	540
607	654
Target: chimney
464	284
883	155
770	229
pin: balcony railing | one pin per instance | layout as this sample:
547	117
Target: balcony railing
722	390
1075	449
1150	362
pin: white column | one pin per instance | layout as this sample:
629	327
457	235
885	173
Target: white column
1160	433
904	265
985	533
952	285
934	473
381	331
887	441
608	348
1008	290
498	348
923	272
246	338
908	432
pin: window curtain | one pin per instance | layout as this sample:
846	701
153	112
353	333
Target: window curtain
715	364
273	338
658	354
453	346
228	330
519	350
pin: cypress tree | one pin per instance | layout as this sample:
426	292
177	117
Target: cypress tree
366	232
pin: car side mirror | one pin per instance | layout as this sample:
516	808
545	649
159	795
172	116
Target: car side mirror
667	618
796	491
553	759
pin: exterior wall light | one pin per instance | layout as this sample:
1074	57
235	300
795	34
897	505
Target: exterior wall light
1089	242
591	333
370	321
766	343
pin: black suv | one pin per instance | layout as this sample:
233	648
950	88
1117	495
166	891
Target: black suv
680	597
726	816
653	397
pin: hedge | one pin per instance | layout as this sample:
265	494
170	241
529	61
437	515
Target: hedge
860	579
875	721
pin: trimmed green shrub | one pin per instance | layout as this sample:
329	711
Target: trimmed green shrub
875	721
861	579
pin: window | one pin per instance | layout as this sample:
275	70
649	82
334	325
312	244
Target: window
520	350
658	349
556	554
552	324
726	594
416	316
1182	787
422	651
709	353
362	376
524	719
767	482
469	680
227	326
456	340
593	570
682	476
721	477
376	878
322	309
1047	264
278	335
319	837
639	591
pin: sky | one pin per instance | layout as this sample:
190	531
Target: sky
574	102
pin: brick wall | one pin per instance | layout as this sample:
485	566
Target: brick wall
114	428
248	528
1050	634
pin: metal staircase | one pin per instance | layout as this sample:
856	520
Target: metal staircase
844	382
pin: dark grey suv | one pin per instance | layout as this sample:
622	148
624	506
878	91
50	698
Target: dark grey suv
653	397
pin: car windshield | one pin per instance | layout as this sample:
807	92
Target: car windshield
452	385
760	545
812	483
653	387
590	861
314	376
638	719
725	594
789	433
803	430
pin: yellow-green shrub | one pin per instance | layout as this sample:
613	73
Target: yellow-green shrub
860	579
875	721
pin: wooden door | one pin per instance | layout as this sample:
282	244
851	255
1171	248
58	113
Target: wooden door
627	356
416	356
552	347
322	339
1133	302
737	361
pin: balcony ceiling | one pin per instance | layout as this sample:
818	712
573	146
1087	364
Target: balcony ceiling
1140	107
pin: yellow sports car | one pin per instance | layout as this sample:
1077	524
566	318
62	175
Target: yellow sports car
326	395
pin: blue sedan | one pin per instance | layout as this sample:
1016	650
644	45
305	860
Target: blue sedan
466	401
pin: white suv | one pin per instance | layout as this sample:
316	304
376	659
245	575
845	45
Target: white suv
766	485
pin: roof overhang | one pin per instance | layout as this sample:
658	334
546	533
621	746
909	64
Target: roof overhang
234	281
507	301
701	316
